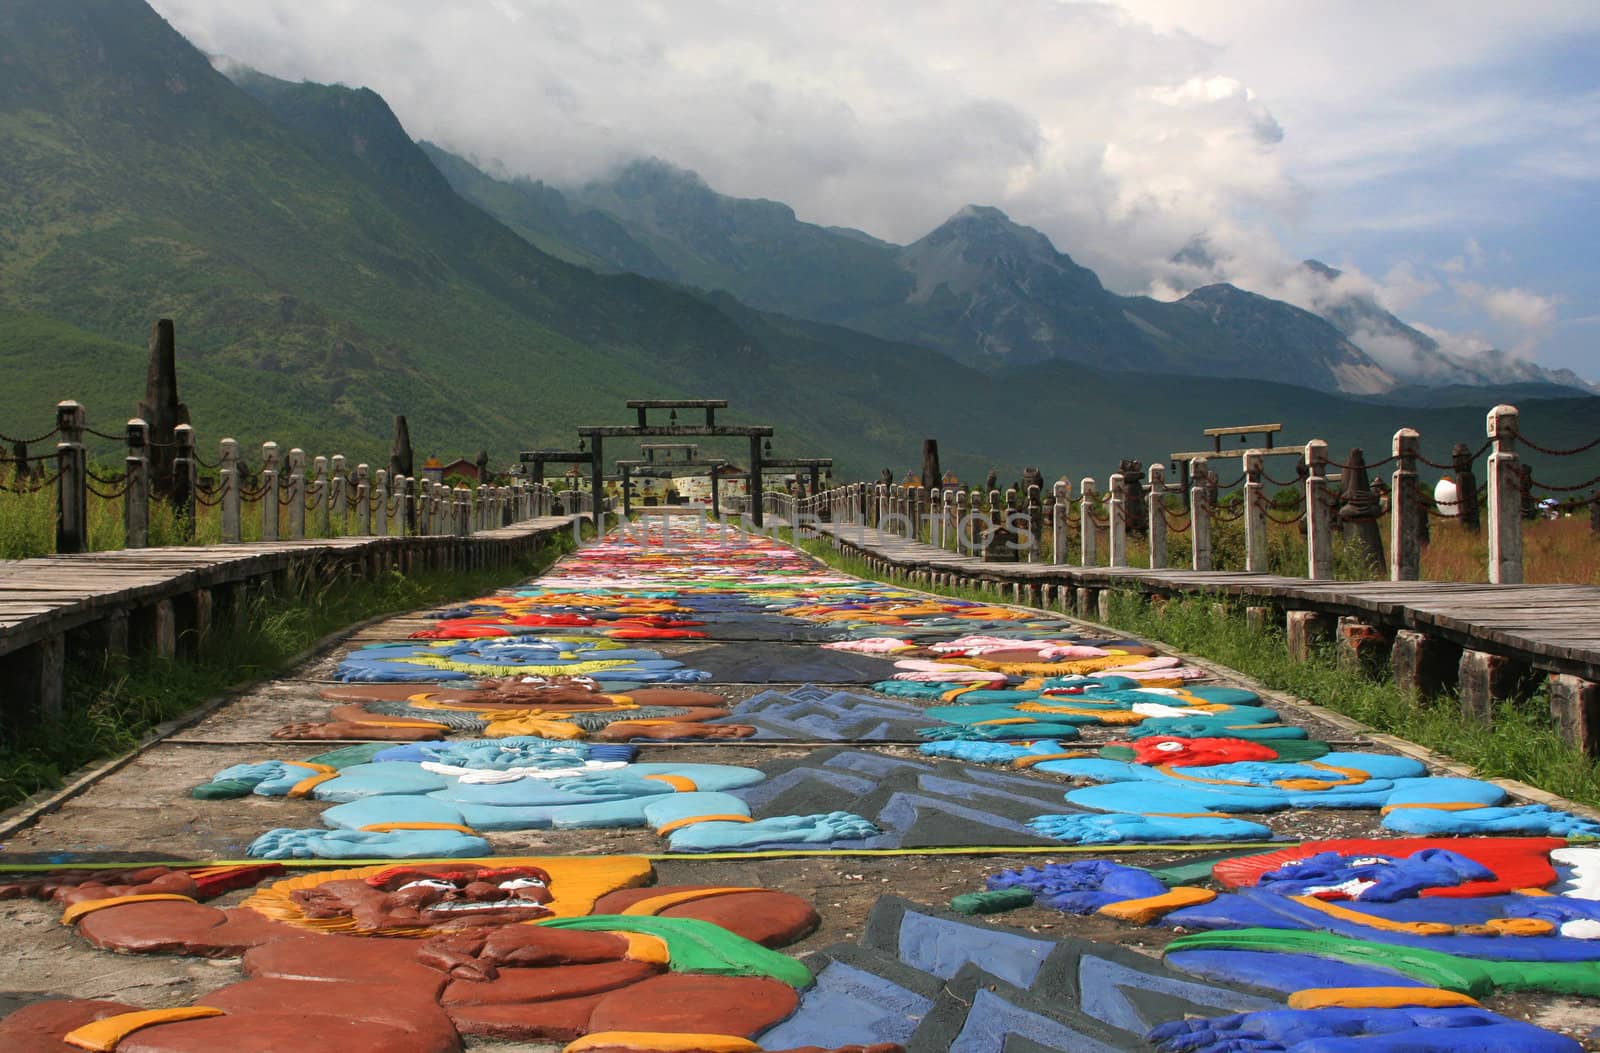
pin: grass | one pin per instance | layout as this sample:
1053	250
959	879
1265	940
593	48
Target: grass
112	703
1555	551
1521	743
28	522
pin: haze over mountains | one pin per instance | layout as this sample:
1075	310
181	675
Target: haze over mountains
980	288
326	272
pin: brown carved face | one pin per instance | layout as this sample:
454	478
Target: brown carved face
433	897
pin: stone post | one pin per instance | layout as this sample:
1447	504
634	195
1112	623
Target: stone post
1319	518
269	491
1505	499
297	494
1035	523
400	500
1199	515
339	495
232	487
72	501
1156	516
1058	522
1405	506
136	499
184	468
380	502
317	496
1086	503
1255	516
1117	522
963	541
363	501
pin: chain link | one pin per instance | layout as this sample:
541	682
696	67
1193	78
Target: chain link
8	459
1585	448
1451	467
1297	517
104	480
30	442
34	486
112	496
1561	489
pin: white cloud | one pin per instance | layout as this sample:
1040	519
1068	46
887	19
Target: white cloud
1120	130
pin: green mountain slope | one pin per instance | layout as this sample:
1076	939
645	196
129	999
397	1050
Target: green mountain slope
325	275
979	288
314	257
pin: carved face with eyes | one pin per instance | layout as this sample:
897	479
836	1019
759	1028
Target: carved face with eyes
1185	753
433	897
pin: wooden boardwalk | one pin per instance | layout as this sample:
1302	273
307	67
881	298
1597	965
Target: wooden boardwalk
152	598
1549	629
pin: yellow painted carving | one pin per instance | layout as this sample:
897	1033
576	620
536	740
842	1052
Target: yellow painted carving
1377	998
657	904
102	1036
89	906
1144	911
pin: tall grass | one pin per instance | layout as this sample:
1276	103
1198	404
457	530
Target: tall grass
1521	743
28	521
113	701
1555	552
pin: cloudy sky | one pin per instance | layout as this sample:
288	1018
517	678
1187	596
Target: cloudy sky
1445	154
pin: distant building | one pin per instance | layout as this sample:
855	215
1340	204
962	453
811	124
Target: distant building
435	472
462	466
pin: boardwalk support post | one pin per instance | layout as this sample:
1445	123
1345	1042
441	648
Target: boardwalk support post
1485	679
1305	631
1505	499
1405	506
1360	647
1575	705
136	498
1319	513
1423	666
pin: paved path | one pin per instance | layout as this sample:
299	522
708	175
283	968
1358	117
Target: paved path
723	777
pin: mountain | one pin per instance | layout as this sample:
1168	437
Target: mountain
980	288
325	274
541	214
1261	338
755	249
318	262
1413	356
